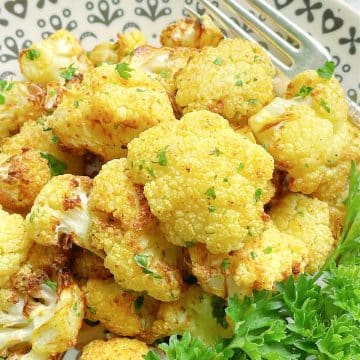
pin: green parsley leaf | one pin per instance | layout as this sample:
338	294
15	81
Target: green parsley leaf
253	255
253	101
217	61
150	171
258	193
190	243
91	309
267	250
325	105
210	193
68	74
241	166
239	83
139	303
212	208
2	99
218	305
56	166
51	284
124	70
164	73
54	139
143	262
327	70
161	158
5	85
32	54
304	91
215	152
225	264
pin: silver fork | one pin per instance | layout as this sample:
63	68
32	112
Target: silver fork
309	55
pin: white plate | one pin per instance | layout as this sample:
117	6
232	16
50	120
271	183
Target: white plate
22	21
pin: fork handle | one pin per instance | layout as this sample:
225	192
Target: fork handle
354	112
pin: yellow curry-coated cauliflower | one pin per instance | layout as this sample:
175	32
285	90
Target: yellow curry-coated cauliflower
307	134
308	220
240	74
14	245
46	317
122	312
37	135
44	61
136	251
203	181
259	265
109	109
111	53
23	101
194	33
115	348
21	178
60	214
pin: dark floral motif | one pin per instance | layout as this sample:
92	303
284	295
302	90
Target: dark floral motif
330	22
7	75
40	4
4	22
352	40
153	11
282	3
201	10
14	48
104	16
17	7
308	9
56	23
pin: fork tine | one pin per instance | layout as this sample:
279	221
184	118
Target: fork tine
227	22
264	30
192	12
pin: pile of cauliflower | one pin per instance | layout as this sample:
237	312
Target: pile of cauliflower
140	187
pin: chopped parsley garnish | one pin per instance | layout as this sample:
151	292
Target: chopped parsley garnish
267	250
258	193
139	303
54	139
91	310
239	83
43	124
210	193
140	90
143	262
32	54
76	104
253	101
215	152
217	61
164	73
51	284
189	243
327	70
241	166
212	208
304	91
161	158
4	86
56	166
253	255
124	70
150	171
218	305
225	264
325	105
2	99
68	74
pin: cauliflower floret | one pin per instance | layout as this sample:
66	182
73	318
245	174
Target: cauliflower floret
136	251
42	318
111	53
21	179
305	135
14	245
115	348
259	265
109	109
23	101
308	220
240	74
60	214
122	312
204	182
87	265
38	136
194	33
46	60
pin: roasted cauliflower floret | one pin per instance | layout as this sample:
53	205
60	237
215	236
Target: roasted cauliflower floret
22	101
136	251
46	60
60	214
307	133
307	219
41	318
113	105
115	348
38	136
21	178
14	245
193	33
122	312
259	265
112	53
204	182
240	75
